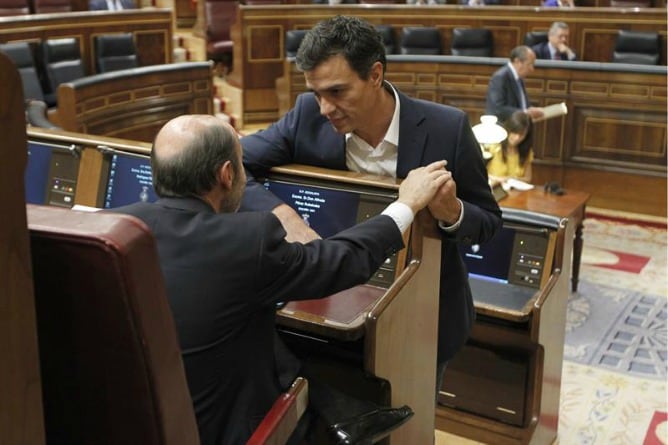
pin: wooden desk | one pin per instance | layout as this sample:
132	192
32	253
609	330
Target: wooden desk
387	333
570	205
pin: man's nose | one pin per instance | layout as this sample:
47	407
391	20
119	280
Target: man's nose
326	107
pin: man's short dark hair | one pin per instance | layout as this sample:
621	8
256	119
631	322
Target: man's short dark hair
520	53
192	170
357	40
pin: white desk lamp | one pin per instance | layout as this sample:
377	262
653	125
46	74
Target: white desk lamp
488	134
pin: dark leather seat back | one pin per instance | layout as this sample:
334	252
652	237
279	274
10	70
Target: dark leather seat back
110	361
475	42
14	7
115	52
21	54
534	38
62	63
420	40
387	33
640	47
220	15
293	38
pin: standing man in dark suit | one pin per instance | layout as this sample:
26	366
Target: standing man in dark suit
505	92
225	272
111	5
355	120
556	47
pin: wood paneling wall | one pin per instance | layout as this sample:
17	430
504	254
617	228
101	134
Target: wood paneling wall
259	32
135	103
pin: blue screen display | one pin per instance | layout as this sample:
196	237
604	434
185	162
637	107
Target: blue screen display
491	260
37	171
325	210
129	180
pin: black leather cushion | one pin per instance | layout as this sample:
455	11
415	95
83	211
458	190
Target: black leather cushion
475	42
533	38
387	34
420	40
115	52
62	61
293	38
637	47
21	54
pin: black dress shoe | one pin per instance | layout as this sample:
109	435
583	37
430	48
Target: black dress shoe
370	427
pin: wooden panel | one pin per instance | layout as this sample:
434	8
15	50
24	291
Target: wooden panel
21	420
152	29
259	30
134	104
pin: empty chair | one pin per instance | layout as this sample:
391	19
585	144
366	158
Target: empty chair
14	7
420	40
293	38
62	63
48	6
475	42
533	38
115	52
638	47
110	361
387	33
22	55
219	17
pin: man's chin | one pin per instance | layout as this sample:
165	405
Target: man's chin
340	127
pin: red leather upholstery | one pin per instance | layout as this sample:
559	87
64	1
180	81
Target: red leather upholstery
110	361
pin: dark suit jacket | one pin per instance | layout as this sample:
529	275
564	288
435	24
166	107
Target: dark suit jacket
542	51
503	94
224	275
427	132
503	99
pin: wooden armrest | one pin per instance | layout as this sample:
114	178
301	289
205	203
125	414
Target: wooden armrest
282	418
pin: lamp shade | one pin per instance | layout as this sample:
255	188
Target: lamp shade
488	131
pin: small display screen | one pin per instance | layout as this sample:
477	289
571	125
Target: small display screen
51	174
491	260
325	210
129	180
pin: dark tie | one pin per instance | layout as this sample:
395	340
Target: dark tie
556	55
524	103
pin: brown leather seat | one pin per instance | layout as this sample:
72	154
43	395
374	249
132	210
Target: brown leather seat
220	15
110	361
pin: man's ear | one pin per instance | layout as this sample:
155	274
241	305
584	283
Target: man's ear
376	73
226	175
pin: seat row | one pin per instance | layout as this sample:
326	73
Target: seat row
45	65
21	7
637	47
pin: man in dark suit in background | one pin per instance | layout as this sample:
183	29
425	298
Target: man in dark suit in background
506	93
225	271
355	120
556	47
111	5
